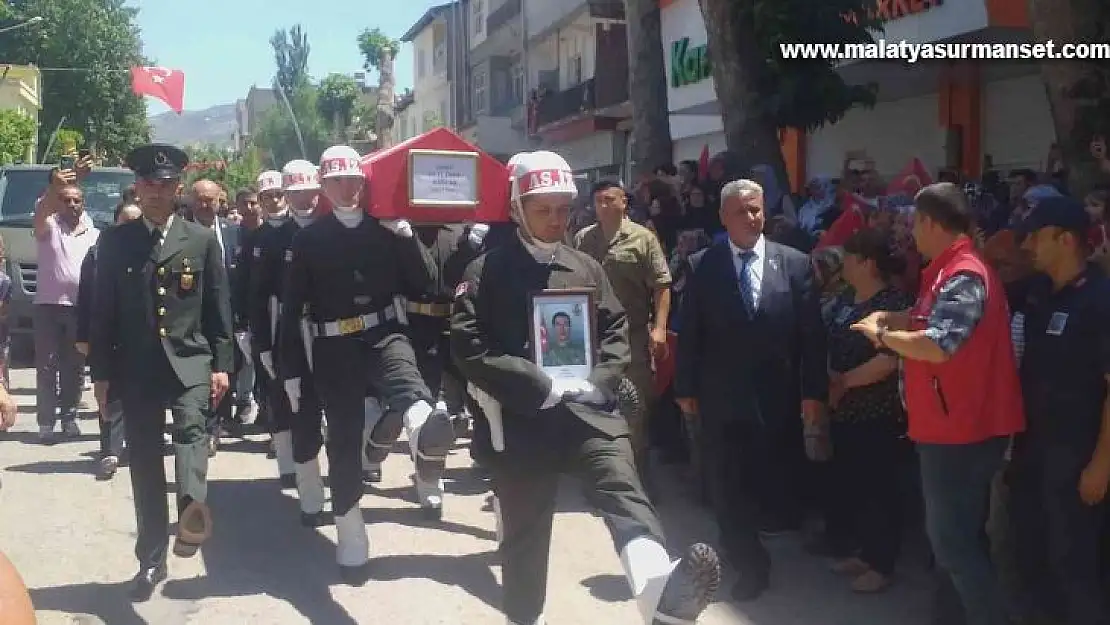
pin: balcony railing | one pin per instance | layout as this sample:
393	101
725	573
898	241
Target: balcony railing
608	87
502	15
560	105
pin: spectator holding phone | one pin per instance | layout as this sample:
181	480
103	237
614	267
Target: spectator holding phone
64	234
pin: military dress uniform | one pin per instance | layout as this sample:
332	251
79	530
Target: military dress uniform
350	281
162	299
530	429
451	247
297	436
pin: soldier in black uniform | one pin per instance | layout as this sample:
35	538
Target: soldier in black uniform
162	299
297	438
1060	468
350	271
531	428
451	247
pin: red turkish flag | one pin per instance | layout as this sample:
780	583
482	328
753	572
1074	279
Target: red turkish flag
910	180
167	85
703	164
851	220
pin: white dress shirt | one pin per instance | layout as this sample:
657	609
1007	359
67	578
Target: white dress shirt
754	269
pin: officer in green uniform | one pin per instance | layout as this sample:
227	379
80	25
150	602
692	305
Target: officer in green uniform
635	264
162	298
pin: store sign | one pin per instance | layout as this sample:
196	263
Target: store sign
689	64
889	10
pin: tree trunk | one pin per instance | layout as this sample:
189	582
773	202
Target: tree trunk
751	131
386	87
1076	119
647	87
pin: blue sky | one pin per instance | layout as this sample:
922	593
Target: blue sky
223	46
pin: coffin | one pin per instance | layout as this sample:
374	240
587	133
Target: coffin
436	178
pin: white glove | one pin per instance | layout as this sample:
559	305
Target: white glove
399	227
267	359
293	391
477	234
572	389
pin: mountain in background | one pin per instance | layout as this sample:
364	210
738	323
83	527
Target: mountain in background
214	126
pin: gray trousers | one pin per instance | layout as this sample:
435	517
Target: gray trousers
60	366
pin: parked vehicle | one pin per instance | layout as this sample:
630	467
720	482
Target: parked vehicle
20	187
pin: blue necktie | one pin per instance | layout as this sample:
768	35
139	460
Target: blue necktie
746	258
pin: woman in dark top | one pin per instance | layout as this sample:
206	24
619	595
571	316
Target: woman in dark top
864	517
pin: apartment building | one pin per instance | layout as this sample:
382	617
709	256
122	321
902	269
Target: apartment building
440	82
577	77
21	90
249	111
498	120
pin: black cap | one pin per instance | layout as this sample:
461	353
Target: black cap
157	161
1062	212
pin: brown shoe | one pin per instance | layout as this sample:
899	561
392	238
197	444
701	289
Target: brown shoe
194	526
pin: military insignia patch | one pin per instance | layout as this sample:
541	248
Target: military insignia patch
187	282
288	256
257	252
462	289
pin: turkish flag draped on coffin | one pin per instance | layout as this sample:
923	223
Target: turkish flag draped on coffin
167	85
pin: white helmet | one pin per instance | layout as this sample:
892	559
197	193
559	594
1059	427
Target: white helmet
269	180
300	175
340	160
540	173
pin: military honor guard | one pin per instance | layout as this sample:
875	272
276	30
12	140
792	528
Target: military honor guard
297	435
350	272
538	421
451	247
162	298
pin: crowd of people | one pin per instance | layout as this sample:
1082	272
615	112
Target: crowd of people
812	357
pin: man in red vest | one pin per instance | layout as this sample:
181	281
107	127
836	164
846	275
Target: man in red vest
961	390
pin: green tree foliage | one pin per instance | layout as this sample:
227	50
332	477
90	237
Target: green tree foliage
377	47
17	135
378	53
100	40
759	91
276	136
238	171
291	56
65	142
336	99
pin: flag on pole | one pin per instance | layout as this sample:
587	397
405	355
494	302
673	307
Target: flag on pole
167	85
703	164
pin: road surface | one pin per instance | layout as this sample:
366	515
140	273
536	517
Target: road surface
71	538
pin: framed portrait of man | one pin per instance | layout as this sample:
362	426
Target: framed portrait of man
562	331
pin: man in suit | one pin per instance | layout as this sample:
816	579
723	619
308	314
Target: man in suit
205	204
161	297
751	358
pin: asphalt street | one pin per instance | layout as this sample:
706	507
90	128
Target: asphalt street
71	537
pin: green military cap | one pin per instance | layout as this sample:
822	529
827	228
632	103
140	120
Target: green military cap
157	161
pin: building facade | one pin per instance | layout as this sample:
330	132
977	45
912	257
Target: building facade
249	111
950	115
440	77
21	90
576	73
498	120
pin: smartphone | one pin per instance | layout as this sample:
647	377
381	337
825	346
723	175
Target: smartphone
67	162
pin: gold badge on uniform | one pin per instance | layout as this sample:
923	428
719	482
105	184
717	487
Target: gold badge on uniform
187	282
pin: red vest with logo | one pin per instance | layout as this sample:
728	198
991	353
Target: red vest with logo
976	394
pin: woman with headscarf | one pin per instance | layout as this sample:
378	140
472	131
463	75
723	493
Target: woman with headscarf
819	210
